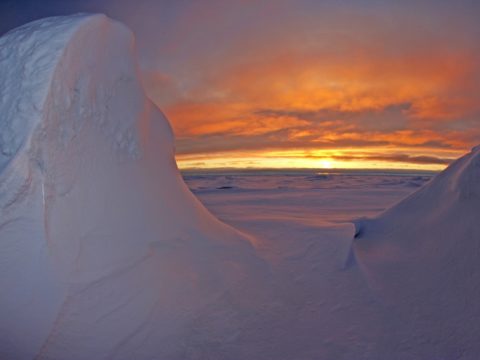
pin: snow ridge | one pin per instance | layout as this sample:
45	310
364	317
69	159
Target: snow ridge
103	247
421	255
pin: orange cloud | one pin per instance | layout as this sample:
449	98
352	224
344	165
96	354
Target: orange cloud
359	84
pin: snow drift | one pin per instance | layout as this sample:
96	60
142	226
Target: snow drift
422	256
104	252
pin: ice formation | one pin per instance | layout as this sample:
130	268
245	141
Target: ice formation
104	252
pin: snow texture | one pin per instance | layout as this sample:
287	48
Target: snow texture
104	252
422	257
322	306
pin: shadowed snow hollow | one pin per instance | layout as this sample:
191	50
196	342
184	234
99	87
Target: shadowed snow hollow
104	252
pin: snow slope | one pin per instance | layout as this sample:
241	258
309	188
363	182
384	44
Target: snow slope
422	258
104	252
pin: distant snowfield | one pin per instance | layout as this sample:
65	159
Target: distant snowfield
106	254
306	197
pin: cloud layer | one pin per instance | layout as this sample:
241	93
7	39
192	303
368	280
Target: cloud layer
400	81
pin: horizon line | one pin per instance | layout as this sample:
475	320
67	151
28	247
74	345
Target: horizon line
320	170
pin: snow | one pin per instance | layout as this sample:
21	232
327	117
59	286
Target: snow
103	247
106	254
381	304
421	256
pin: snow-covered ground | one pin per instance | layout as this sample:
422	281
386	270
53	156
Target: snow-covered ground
307	196
320	308
401	286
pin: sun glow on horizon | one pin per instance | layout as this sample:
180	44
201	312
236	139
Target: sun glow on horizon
320	159
326	164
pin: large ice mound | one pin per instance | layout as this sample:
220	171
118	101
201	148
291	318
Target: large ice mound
422	257
104	252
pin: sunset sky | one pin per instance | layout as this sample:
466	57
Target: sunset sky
352	83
